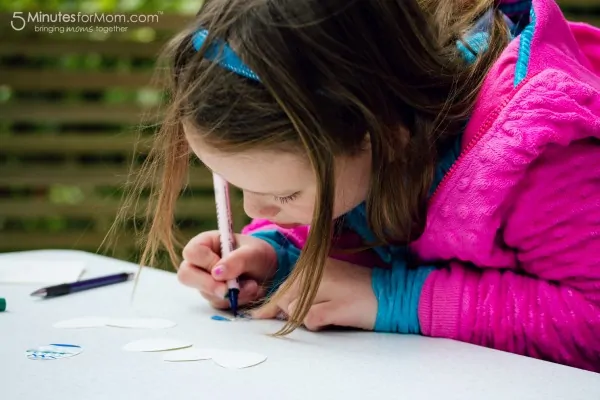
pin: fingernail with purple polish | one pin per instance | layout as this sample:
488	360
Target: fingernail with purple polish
218	270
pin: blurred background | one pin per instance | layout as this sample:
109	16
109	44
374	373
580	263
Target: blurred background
72	105
74	97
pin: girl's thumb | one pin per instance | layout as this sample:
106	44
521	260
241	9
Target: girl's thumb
242	261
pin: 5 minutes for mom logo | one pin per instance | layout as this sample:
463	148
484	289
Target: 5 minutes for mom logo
20	19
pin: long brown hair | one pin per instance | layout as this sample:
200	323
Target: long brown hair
331	71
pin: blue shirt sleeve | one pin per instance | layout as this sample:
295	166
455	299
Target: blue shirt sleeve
398	291
287	255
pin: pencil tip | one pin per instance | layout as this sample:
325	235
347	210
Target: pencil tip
39	293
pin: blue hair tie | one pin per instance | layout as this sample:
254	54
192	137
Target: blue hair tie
224	56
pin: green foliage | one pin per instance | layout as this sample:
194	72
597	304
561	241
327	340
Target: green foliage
5	93
90	6
79	62
60	194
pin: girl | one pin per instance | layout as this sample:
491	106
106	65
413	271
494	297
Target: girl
455	145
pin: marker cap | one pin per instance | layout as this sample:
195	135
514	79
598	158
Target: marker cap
2	304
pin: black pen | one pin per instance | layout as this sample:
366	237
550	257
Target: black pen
67	288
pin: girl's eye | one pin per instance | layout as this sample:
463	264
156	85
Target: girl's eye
287	199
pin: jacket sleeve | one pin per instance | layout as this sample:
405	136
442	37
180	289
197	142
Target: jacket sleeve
549	307
287	244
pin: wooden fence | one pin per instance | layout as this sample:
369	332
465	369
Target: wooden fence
69	108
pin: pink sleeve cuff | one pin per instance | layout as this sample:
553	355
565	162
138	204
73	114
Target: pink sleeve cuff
297	236
444	293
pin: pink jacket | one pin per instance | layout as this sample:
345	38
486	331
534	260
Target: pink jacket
517	218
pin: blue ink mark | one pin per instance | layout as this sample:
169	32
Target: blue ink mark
220	318
64	345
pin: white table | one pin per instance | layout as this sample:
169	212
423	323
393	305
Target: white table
330	365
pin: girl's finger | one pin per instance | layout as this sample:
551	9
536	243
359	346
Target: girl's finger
267	311
243	261
219	304
203	250
309	323
324	314
249	291
202	257
197	278
291	307
210	239
272	310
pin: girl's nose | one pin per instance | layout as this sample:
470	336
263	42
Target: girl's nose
256	207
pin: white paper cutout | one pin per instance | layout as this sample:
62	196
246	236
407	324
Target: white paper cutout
156	344
141	323
83	322
237	359
189	354
224	358
49	272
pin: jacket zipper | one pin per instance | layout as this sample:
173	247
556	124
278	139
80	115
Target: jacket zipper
482	130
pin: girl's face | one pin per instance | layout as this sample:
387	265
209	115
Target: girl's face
281	186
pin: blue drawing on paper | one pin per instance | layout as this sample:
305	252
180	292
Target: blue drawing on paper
53	351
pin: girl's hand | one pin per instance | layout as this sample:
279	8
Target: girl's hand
345	298
254	260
